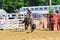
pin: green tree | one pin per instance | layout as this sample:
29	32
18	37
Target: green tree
58	2
44	2
54	2
12	5
1	4
34	2
26	3
51	11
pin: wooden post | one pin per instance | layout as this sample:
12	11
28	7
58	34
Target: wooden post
17	18
50	3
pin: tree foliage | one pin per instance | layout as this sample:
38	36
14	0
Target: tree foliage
51	11
12	5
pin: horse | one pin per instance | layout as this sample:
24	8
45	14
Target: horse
28	22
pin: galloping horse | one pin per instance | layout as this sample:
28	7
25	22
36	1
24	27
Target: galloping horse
27	22
28	19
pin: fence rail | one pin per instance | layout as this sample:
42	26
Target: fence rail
10	24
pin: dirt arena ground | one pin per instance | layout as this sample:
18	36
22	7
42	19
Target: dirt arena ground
36	35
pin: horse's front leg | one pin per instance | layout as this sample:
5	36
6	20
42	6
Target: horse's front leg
28	28
25	26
